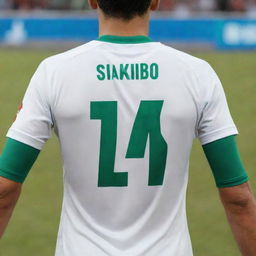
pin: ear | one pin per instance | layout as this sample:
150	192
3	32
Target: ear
93	4
154	5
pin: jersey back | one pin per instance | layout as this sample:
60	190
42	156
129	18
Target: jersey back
126	116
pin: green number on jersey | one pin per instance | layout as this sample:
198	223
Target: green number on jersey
146	125
107	113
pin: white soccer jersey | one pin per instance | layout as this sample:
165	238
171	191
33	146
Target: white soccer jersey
126	111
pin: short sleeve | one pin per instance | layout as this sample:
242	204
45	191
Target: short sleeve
215	118
34	121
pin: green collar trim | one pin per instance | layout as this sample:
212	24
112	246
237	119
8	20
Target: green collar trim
125	39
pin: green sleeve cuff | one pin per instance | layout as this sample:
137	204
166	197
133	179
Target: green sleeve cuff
225	162
17	160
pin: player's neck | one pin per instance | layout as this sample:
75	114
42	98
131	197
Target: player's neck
119	27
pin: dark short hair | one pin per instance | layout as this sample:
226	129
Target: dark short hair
124	9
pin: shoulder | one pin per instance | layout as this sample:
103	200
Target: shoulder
199	70
200	77
57	61
55	68
186	61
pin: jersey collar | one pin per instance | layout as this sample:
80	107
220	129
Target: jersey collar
125	39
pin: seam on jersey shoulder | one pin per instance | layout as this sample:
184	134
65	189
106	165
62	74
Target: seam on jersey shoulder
191	68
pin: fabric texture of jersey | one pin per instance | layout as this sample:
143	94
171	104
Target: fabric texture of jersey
98	97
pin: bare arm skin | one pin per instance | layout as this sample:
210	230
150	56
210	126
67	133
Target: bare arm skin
9	194
240	206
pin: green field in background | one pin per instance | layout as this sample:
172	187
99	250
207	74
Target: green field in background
33	228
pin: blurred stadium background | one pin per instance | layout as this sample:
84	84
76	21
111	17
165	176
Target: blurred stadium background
223	32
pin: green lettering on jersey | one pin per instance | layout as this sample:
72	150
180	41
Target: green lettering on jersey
147	126
137	71
132	71
124	71
114	73
107	112
143	71
154	71
108	72
101	76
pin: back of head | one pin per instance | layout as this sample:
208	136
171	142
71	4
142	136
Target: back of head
124	9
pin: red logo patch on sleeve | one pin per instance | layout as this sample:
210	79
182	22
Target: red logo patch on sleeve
19	109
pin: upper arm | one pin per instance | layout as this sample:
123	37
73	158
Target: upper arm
237	196
9	188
